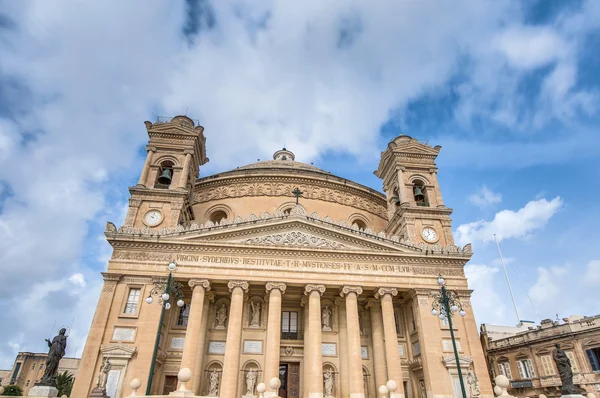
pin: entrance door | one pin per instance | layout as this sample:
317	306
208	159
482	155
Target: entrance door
289	374
170	384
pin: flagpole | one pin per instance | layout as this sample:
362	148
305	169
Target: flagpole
507	280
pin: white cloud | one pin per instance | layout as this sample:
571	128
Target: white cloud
487	303
529	47
485	197
547	287
591	274
510	224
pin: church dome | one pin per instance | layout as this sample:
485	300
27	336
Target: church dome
282	159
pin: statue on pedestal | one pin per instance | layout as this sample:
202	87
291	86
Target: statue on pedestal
326	318
57	346
213	379
563	364
250	382
328	383
255	319
221	317
473	382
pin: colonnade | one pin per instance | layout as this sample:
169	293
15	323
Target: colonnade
385	343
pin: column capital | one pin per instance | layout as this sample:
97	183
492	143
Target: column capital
275	285
382	291
372	302
242	284
111	277
188	151
150	148
350	289
303	301
205	283
311	287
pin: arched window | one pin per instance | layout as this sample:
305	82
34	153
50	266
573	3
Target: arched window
420	194
218	216
165	175
287	211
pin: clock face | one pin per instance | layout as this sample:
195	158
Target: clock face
153	217
429	234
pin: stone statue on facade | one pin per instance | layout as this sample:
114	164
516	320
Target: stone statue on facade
213	386
250	382
255	318
563	364
103	375
326	318
473	383
57	346
221	317
328	383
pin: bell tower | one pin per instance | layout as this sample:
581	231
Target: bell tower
416	211
176	150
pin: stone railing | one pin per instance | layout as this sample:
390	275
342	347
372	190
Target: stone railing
299	213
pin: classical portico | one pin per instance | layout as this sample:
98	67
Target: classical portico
332	294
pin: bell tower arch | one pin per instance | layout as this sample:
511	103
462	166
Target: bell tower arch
416	210
176	149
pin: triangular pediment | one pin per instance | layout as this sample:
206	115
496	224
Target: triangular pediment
296	233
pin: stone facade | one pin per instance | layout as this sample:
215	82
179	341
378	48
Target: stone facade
524	354
28	369
333	294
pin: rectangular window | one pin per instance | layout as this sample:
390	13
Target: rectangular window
132	300
184	314
504	369
525	369
547	366
571	356
289	325
594	358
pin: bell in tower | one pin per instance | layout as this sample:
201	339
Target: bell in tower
165	177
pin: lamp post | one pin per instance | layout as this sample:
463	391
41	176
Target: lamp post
163	288
445	304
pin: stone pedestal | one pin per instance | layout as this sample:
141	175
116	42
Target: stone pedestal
98	392
43	391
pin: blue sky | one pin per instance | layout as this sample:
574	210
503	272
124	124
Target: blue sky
509	89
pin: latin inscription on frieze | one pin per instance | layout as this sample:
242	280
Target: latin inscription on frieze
294	264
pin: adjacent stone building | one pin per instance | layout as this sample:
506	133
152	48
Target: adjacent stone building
28	369
287	271
524	354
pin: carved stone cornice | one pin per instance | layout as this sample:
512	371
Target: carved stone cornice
110	277
241	284
372	302
312	287
382	291
345	290
205	283
275	285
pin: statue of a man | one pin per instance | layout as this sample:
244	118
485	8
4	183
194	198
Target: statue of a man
328	383
250	382
473	384
563	364
326	318
221	317
57	346
255	319
103	376
213	389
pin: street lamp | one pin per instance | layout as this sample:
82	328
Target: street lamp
446	304
163	289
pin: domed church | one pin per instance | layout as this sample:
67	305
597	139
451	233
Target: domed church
279	269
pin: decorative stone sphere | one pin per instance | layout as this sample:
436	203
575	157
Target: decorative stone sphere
391	385
64	396
542	396
1	390
497	391
184	375
135	384
261	387
274	383
591	395
383	390
502	381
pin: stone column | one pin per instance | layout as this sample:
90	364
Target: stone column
197	372
313	359
436	188
405	195
192	334
91	353
379	360
186	170
146	167
231	361
355	374
274	290
392	355
343	349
